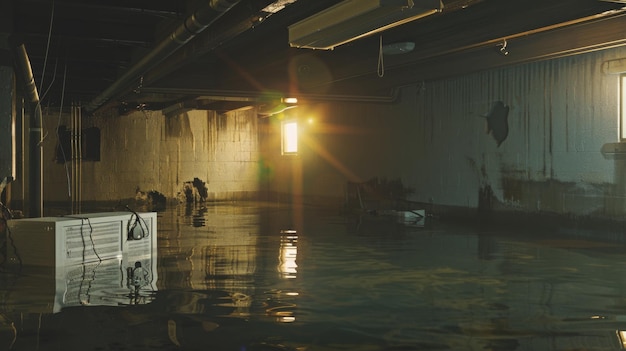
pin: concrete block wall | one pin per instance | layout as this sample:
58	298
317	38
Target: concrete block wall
148	151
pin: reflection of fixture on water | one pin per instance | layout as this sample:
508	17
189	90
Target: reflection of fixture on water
280	304
136	278
287	256
287	319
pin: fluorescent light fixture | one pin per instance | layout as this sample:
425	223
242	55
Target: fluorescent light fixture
354	19
290	100
277	6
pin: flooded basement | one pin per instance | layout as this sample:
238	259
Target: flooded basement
249	277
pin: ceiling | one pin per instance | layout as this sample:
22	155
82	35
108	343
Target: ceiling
120	55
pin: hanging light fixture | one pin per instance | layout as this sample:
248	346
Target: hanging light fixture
350	20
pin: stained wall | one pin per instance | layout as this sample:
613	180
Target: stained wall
147	151
530	137
533	137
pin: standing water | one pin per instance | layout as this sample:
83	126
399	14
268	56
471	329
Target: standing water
249	277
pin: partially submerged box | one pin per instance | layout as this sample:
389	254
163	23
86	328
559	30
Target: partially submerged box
97	250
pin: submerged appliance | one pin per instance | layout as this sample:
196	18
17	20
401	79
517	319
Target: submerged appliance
87	259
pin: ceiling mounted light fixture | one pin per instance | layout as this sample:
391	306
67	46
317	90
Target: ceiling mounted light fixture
354	19
277	6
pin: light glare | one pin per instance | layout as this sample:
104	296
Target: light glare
290	137
290	100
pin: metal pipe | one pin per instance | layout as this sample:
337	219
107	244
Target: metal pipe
35	154
503	39
27	74
255	96
436	54
76	158
582	20
80	159
73	156
194	24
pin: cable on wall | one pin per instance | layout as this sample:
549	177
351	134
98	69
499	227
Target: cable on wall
136	228
45	63
67	171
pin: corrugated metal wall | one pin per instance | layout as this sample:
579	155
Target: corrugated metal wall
561	113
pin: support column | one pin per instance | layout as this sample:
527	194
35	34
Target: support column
35	134
35	163
7	128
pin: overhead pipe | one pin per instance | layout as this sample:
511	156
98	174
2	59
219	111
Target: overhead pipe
202	18
501	41
498	42
35	154
210	41
255	96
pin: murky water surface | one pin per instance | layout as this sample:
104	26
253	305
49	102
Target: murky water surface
265	278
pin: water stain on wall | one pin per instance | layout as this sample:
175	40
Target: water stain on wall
178	126
497	122
486	200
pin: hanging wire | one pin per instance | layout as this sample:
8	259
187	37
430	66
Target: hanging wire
42	97
54	76
381	65
67	172
43	72
45	60
132	224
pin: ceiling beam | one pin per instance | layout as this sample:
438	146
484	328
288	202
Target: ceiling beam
566	41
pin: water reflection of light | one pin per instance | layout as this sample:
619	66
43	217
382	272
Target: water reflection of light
281	305
288	252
